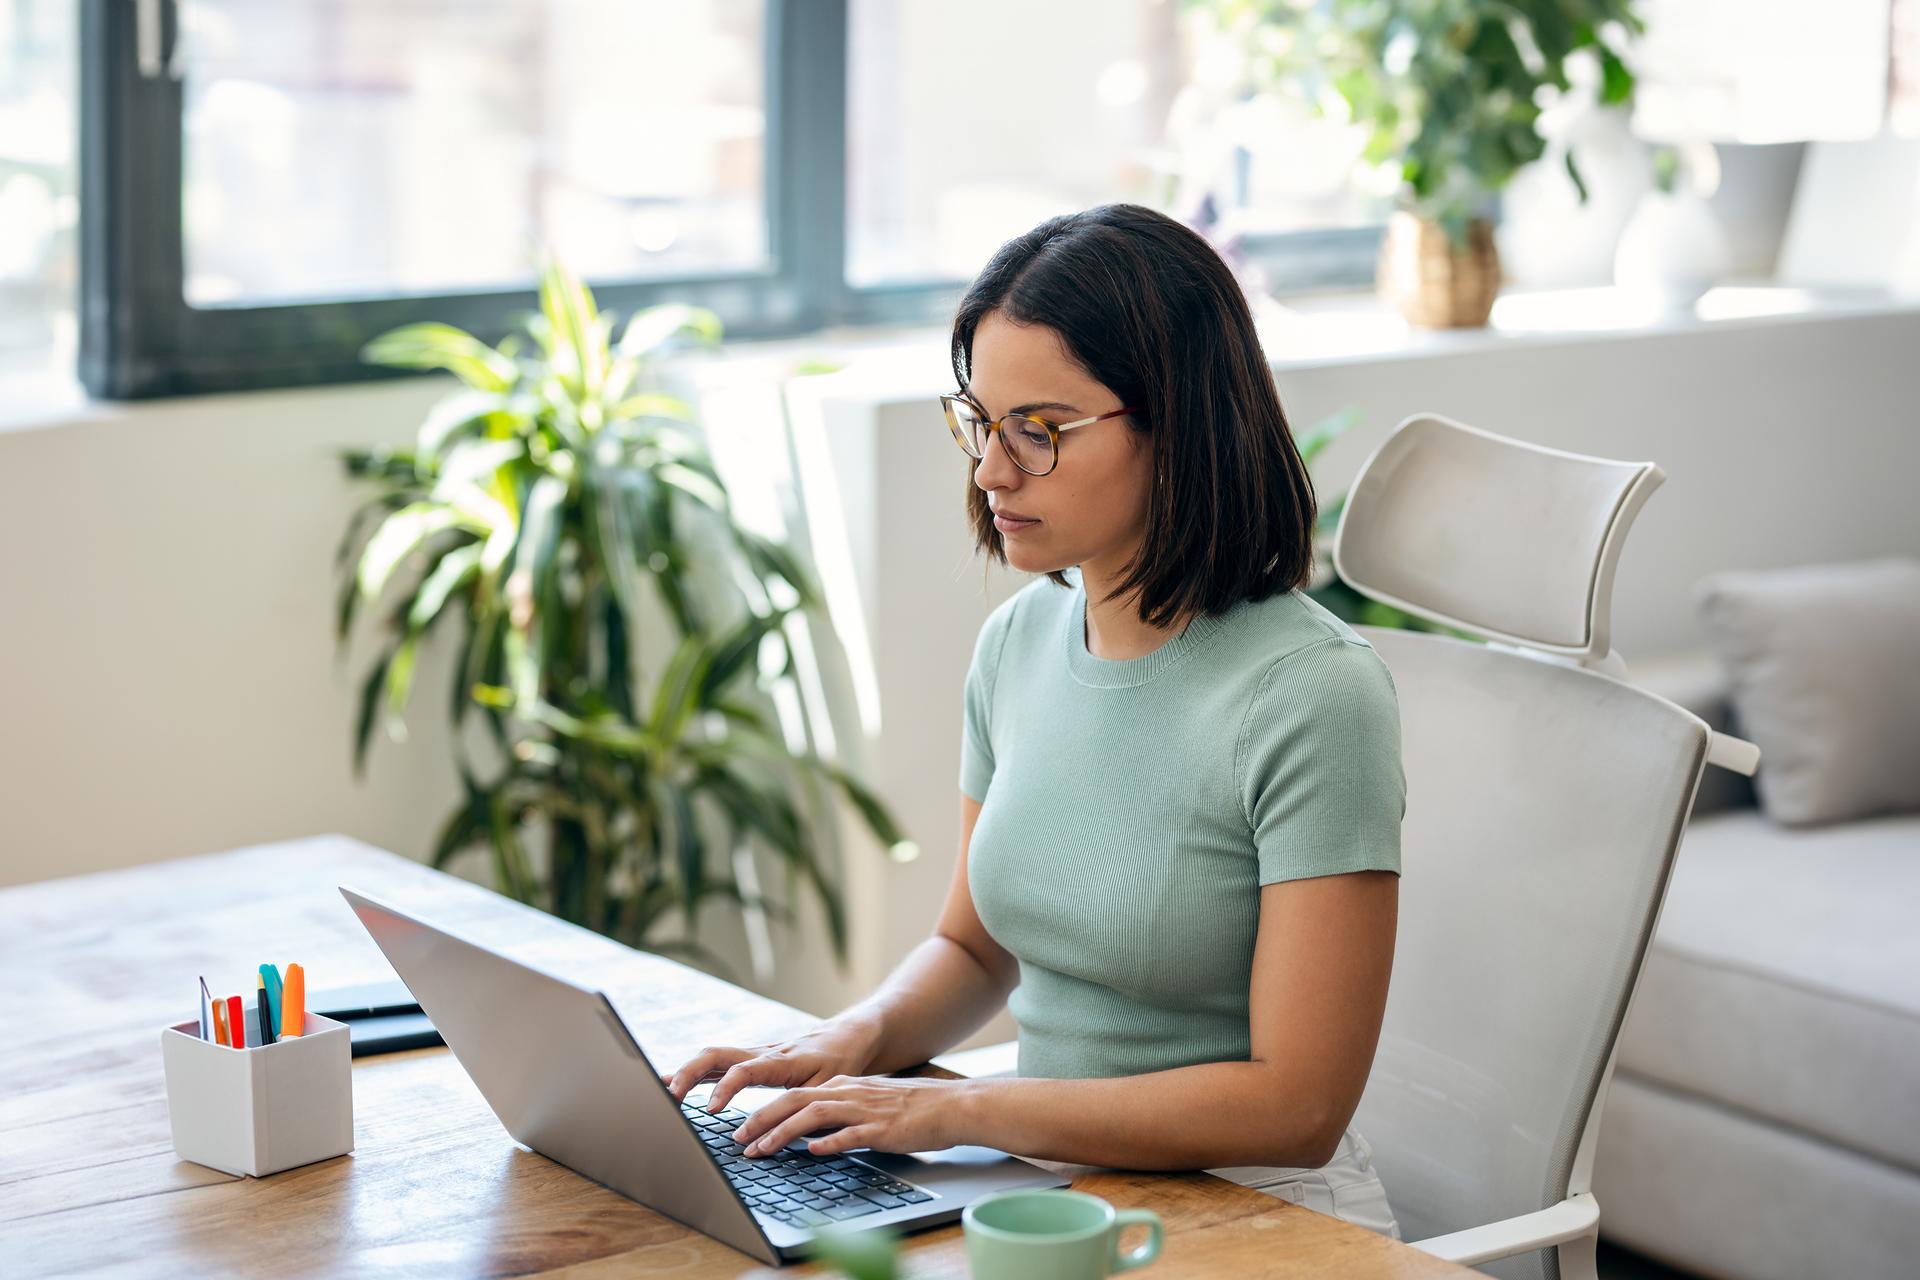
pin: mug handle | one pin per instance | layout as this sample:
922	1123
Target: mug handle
1145	1253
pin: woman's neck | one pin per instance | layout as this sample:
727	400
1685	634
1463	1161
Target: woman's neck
1115	630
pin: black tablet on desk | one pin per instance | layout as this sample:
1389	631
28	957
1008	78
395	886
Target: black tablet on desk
381	1017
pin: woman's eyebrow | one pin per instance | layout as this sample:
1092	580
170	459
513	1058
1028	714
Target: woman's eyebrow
1030	407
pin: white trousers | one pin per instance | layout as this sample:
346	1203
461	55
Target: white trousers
1346	1187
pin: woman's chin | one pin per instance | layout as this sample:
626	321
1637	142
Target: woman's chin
1030	560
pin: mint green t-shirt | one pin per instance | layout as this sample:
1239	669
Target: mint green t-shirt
1132	809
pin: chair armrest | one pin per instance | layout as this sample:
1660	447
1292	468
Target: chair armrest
1735	755
1572	1218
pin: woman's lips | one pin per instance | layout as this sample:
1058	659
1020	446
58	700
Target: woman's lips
1004	525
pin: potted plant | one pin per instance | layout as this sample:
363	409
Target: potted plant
560	509
1448	91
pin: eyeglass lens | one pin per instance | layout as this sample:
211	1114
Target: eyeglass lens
1026	440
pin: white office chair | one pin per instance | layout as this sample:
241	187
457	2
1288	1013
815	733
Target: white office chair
1545	801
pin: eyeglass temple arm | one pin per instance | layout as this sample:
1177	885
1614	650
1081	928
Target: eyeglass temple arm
1098	417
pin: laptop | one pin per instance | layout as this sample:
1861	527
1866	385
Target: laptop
568	1079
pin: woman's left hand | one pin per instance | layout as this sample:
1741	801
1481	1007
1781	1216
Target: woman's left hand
885	1113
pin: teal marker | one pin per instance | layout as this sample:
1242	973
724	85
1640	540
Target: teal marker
270	994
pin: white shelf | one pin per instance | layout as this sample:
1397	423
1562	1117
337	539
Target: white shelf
1351	327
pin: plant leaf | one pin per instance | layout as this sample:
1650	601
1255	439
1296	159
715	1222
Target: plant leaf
873	811
454	417
652	327
441	346
457	568
1573	172
363	722
400	683
689	851
771	560
578	345
475	464
689	480
1616	81
398	536
678	695
733	651
509	858
1314	440
464	826
539	541
651	404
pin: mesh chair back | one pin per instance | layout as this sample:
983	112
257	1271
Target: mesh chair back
1544	807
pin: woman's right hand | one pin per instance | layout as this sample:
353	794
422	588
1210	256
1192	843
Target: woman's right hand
832	1049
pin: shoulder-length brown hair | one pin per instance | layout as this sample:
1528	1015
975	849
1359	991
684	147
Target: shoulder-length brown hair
1149	310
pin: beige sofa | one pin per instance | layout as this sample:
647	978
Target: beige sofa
1764	1119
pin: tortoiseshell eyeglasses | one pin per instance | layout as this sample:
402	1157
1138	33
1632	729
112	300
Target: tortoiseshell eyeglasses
1032	443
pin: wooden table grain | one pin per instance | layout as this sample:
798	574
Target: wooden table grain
92	967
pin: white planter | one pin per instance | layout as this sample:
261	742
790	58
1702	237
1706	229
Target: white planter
1672	249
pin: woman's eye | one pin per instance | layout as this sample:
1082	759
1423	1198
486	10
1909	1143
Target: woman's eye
1032	436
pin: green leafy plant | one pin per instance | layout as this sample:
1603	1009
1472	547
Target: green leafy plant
557	507
1448	89
1334	591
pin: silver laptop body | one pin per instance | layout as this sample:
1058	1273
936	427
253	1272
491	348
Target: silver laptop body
567	1078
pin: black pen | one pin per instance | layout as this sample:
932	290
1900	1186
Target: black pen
266	1014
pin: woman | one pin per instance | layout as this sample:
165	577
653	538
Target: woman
1181	788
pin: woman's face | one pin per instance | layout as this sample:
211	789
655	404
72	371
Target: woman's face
1090	510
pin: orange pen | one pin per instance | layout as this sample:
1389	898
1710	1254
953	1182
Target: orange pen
220	1023
293	1002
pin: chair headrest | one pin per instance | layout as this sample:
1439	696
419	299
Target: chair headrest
1494	536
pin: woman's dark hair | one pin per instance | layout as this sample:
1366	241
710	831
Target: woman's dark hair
1147	307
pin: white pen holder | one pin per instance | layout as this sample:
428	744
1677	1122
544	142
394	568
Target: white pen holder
263	1108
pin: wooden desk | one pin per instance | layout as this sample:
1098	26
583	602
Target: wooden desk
91	968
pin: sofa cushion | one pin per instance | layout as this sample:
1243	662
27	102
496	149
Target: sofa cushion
1821	662
1784	978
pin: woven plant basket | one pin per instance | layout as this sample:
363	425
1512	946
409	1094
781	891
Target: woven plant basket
1432	283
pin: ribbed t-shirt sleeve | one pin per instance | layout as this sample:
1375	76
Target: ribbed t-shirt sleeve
976	738
1319	764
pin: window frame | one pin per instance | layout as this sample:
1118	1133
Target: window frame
139	337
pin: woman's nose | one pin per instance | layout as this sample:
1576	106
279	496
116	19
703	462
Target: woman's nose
995	470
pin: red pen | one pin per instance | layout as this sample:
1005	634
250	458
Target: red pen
236	1022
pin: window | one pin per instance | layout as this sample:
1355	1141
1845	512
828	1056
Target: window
38	208
962	137
267	186
420	147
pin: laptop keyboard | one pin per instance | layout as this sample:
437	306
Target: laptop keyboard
798	1187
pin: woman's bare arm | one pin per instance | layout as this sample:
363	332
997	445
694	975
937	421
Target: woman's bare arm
947	987
1319	986
1321	964
941	992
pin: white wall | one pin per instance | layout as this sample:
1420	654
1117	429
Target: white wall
167	676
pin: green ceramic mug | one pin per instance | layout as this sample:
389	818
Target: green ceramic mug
1053	1235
